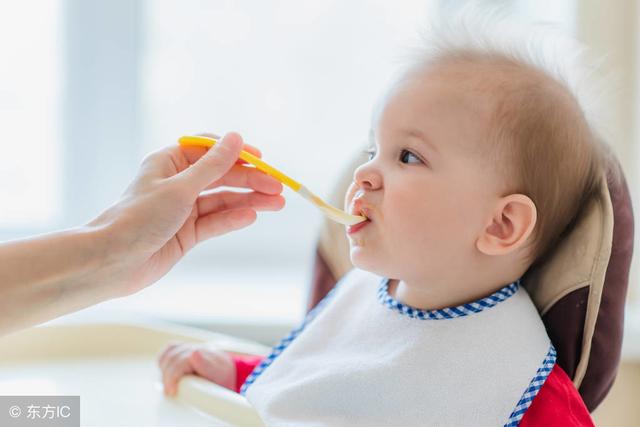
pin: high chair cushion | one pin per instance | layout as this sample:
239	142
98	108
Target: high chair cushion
579	288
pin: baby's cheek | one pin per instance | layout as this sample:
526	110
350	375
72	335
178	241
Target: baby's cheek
409	210
421	223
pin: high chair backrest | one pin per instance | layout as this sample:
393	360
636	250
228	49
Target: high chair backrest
579	288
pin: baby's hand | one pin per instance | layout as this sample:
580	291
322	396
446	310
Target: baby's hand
204	360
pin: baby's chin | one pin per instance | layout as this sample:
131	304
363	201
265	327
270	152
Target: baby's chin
366	261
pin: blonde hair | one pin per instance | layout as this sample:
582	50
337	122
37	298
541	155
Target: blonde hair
544	126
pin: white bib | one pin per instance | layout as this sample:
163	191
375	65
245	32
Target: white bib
362	358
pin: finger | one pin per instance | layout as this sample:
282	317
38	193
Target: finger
174	375
184	156
248	177
247	147
223	222
227	200
194	152
164	162
170	360
176	369
191	154
253	150
168	354
194	155
162	356
215	163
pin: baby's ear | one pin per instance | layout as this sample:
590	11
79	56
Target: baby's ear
509	227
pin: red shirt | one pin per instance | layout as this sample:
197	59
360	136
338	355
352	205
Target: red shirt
557	404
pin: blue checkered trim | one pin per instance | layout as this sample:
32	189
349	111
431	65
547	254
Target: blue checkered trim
534	387
449	312
284	343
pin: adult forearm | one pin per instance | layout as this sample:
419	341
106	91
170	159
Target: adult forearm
50	275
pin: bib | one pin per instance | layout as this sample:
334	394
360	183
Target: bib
362	358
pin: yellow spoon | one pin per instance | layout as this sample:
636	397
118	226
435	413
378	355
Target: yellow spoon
333	213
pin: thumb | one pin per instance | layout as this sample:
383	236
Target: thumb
214	163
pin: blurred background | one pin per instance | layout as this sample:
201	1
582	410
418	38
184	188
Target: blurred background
87	88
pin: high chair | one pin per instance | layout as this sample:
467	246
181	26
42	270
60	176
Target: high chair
579	288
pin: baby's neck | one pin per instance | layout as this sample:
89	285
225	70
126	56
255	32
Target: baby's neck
435	297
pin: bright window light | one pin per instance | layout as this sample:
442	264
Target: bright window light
29	97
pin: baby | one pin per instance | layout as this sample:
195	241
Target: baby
480	158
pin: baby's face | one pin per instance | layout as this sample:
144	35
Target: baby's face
429	186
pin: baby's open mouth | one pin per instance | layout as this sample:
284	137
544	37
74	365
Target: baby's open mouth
359	211
357	227
365	213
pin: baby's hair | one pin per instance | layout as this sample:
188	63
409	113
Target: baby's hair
543	129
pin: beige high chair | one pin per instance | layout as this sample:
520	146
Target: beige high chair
579	289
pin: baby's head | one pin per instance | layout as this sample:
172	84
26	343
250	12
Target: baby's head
480	159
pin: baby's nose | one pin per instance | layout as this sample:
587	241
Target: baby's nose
367	178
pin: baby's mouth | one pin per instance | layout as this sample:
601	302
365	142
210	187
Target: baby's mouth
360	211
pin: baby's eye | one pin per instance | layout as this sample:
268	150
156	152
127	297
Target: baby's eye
407	156
371	152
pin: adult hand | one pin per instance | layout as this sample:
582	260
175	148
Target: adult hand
168	207
166	210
